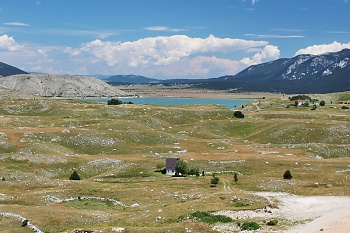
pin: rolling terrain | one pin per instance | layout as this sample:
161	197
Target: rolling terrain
117	151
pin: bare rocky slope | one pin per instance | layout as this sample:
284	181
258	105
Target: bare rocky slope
60	86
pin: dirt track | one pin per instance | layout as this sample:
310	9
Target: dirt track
329	214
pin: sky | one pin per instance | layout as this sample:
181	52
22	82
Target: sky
166	39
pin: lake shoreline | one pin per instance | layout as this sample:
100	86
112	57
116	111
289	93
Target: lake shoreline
230	103
187	91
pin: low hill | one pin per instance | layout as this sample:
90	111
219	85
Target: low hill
7	70
131	79
60	86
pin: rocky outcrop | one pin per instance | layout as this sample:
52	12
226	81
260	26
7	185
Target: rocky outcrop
60	86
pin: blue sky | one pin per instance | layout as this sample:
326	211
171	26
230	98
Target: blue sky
166	38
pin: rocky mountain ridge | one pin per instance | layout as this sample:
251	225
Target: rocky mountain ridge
329	72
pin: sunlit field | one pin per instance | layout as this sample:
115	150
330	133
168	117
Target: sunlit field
119	150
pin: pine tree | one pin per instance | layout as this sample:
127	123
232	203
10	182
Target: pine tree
287	175
214	181
74	176
235	177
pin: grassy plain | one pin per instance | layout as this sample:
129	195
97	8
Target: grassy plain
117	149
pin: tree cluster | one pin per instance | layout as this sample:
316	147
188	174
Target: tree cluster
300	97
117	102
183	169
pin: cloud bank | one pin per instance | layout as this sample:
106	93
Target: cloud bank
164	57
177	55
323	48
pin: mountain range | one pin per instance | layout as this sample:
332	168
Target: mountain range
323	73
329	72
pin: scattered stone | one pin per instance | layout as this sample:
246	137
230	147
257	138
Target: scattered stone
118	229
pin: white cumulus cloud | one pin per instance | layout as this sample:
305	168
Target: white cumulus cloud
8	43
270	52
323	48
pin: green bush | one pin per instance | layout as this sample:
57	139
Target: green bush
250	226
272	222
210	218
194	172
322	103
238	114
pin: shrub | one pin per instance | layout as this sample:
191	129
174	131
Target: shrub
210	218
272	222
344	107
214	181
159	166
194	172
238	114
235	177
74	176
287	175
322	103
250	226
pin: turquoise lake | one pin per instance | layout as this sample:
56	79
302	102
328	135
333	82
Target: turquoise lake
168	101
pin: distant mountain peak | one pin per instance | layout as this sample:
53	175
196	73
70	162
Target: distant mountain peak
7	70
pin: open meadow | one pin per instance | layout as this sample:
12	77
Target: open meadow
119	150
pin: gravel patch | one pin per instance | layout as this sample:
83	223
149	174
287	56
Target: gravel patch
318	213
